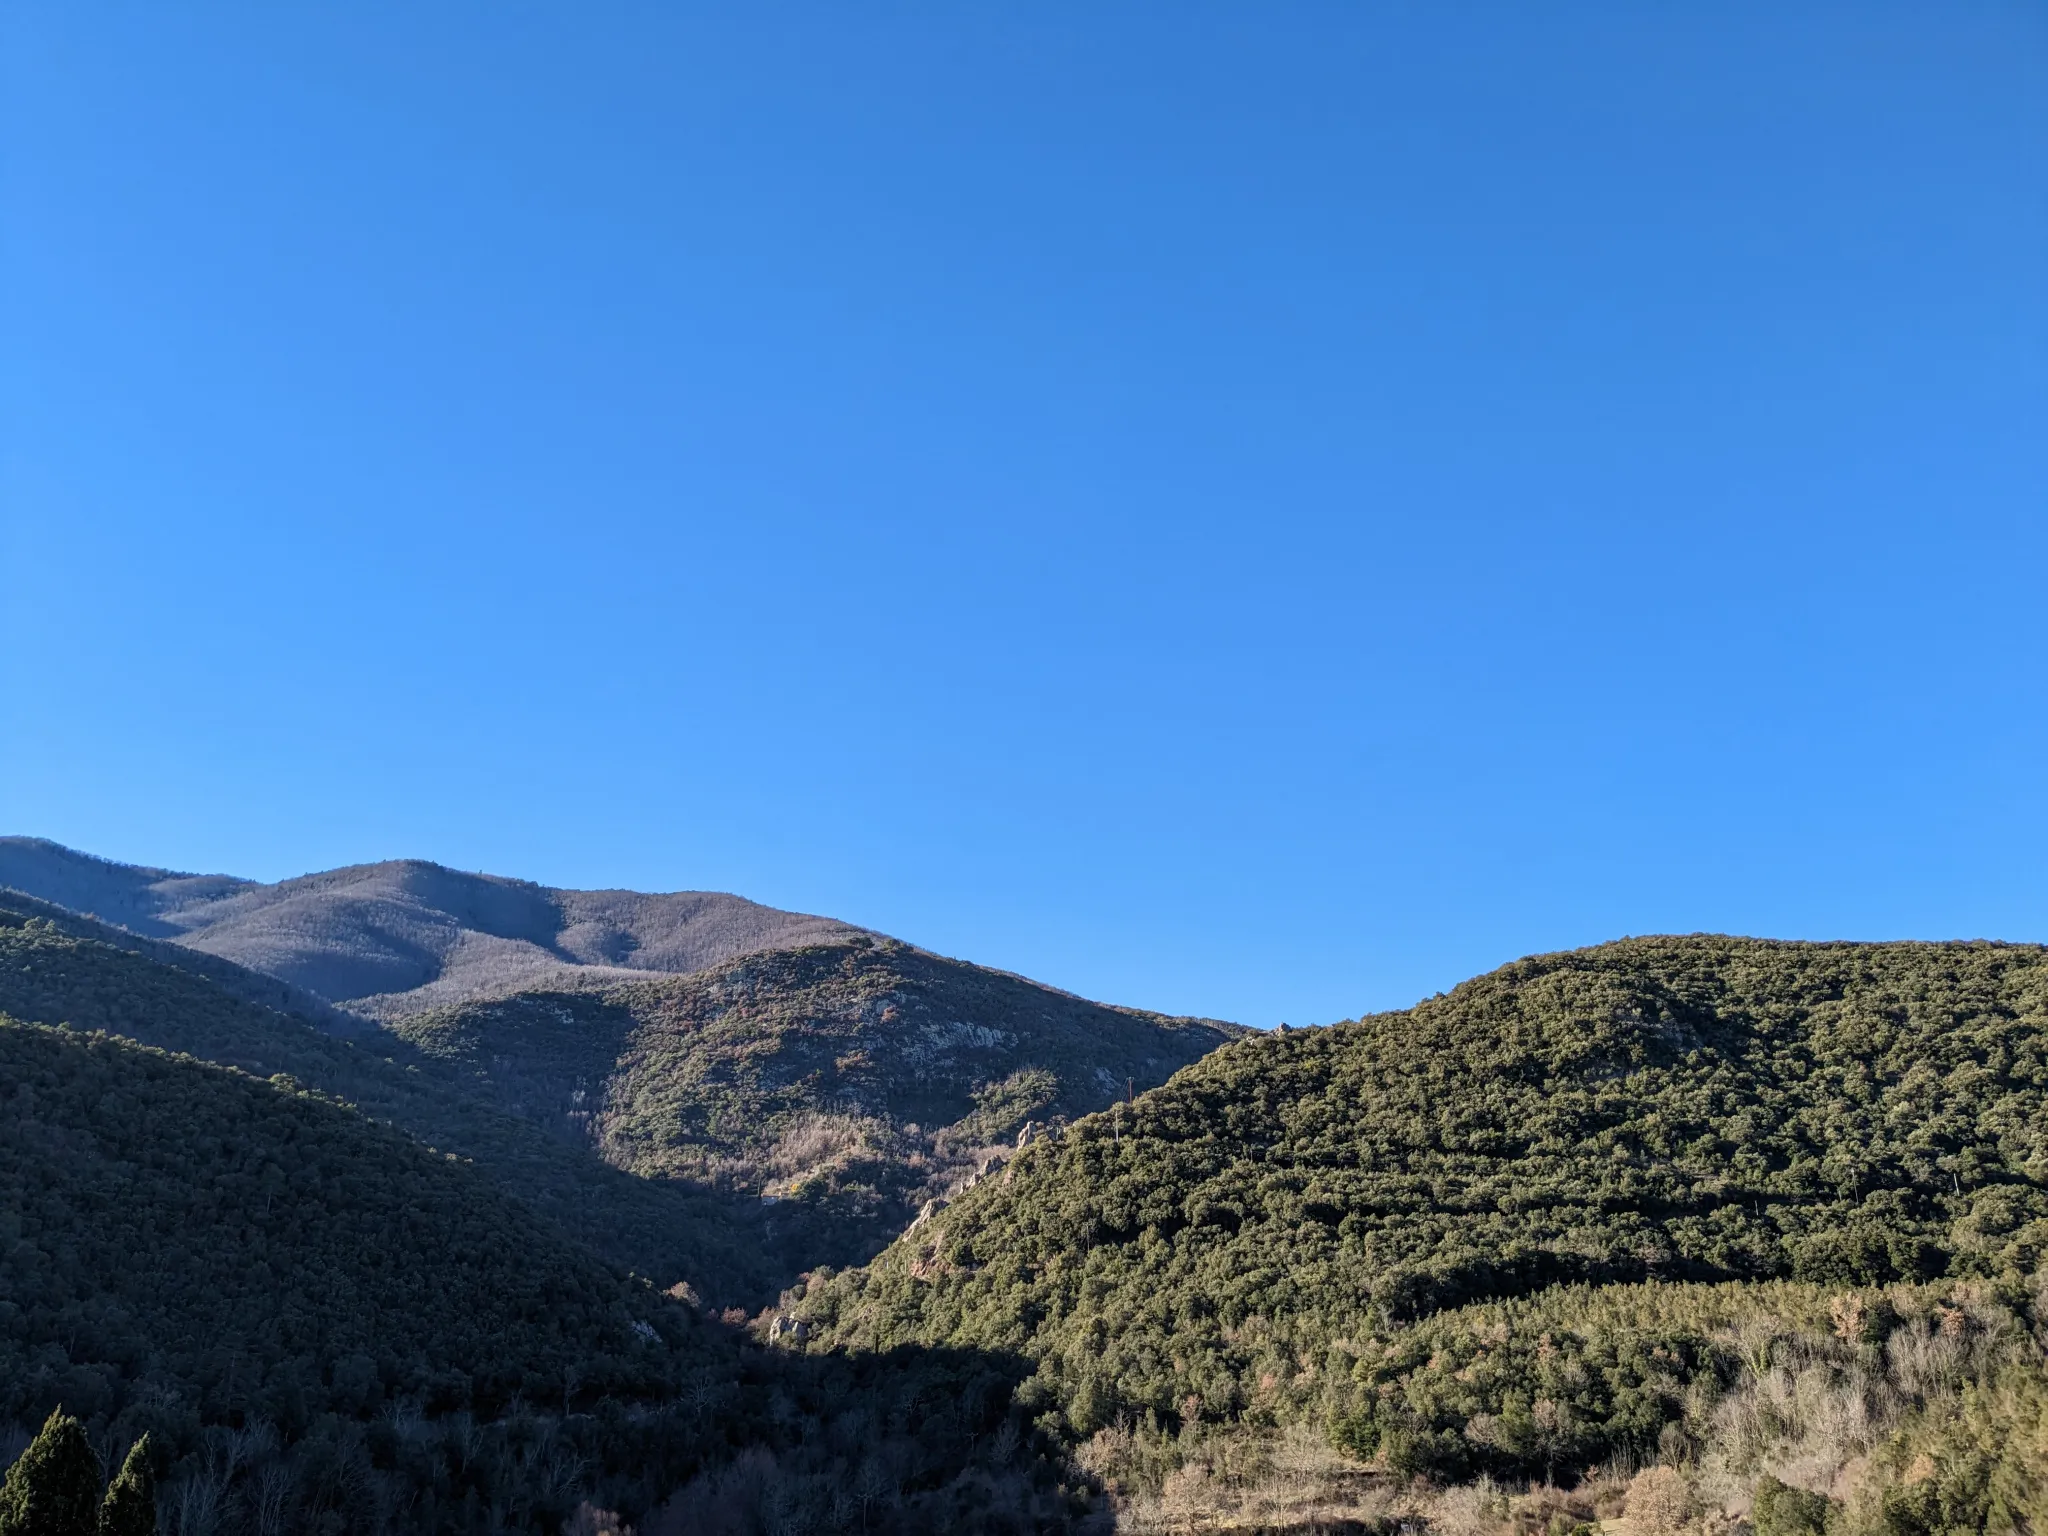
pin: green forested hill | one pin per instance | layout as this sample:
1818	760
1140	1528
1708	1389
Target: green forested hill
845	1083
326	1328
51	973
266	993
270	1251
732	1128
1701	1109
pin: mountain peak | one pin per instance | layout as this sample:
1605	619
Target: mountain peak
402	935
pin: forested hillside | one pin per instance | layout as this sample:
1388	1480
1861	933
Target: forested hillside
842	1083
244	985
665	1230
790	1098
1272	1236
1683	1231
272	1248
324	1327
845	1084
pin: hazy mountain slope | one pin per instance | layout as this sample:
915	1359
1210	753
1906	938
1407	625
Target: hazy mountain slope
136	897
664	1229
183	1222
848	1081
396	937
239	982
1252	1235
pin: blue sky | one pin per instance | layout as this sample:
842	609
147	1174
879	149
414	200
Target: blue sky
1254	510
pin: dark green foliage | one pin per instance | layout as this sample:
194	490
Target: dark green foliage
130	1505
1780	1510
54	1488
332	1330
850	1082
1259	1233
665	1230
277	1252
253	987
1979	1464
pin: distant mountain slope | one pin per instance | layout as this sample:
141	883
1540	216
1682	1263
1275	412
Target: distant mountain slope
394	938
56	971
134	896
849	1082
1249	1238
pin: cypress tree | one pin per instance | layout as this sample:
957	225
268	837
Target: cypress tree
130	1507
54	1489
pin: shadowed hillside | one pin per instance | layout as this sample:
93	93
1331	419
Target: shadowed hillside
325	1328
844	1084
265	992
731	1129
268	1246
57	972
394	938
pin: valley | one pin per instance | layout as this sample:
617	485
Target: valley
768	1222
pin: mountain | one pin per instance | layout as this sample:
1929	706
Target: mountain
843	1084
794	1088
1698	1234
1293	1229
326	1328
395	938
264	992
265	1247
775	1110
61	969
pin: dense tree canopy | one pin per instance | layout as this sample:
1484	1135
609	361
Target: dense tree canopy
1699	1109
1592	1205
276	1251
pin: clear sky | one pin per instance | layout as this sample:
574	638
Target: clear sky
1261	510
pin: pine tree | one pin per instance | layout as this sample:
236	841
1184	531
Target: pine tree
130	1507
54	1489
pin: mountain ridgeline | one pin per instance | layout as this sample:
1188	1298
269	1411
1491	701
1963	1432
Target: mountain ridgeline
393	938
403	1200
789	1094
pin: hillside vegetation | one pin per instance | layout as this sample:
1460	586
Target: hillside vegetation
274	1251
665	1230
266	993
1267	1238
844	1083
323	1327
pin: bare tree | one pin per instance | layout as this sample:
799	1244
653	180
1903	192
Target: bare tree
874	1487
270	1493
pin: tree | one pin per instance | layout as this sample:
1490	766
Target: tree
130	1507
54	1489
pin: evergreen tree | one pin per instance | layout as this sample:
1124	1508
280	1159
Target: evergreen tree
130	1507
54	1489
